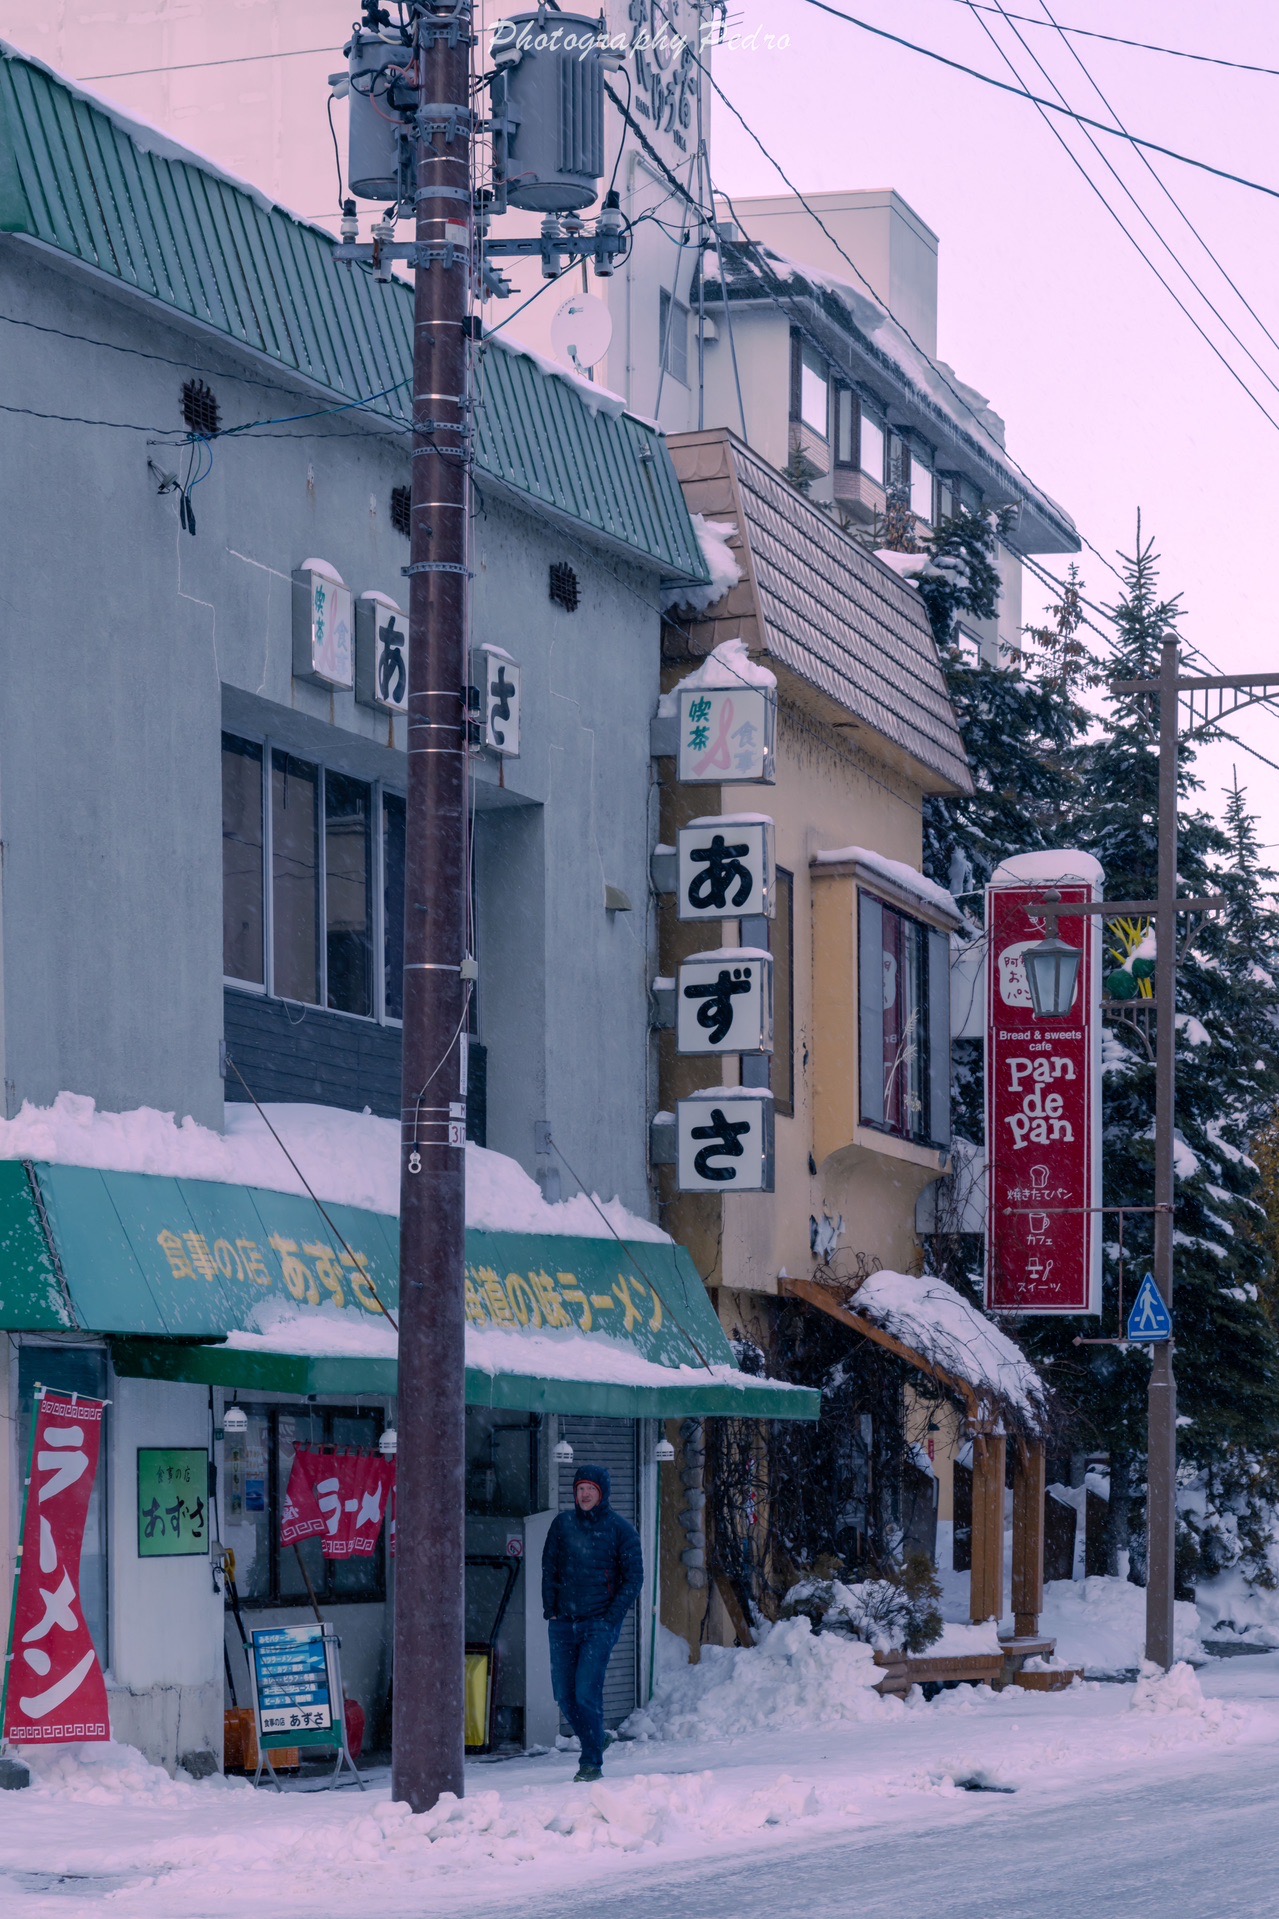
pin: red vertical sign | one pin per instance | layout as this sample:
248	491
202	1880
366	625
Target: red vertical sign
1042	1114
54	1689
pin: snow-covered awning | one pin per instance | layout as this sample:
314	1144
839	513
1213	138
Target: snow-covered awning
936	1330
579	1308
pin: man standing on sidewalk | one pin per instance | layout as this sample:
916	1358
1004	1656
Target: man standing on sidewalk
592	1572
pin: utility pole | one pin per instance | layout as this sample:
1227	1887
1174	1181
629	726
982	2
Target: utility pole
430	1617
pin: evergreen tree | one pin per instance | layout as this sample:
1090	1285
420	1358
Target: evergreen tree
1227	1357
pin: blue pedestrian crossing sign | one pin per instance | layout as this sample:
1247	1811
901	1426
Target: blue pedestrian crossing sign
1149	1322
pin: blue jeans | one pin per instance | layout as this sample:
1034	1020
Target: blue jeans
580	1651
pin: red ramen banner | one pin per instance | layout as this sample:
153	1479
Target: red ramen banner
339	1499
54	1689
1043	1078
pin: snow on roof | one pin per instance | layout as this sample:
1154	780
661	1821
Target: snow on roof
942	1327
349	1159
725	570
896	873
727	665
329	1334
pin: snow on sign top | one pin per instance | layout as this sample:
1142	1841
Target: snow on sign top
942	1327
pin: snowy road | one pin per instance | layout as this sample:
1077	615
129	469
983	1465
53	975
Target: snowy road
1205	1846
1129	1803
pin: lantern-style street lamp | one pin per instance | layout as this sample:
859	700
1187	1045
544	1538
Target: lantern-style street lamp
1052	968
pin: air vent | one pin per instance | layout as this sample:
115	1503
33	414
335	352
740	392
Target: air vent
564	587
200	409
402	509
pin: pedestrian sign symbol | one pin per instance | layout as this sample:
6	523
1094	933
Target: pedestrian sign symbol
1149	1321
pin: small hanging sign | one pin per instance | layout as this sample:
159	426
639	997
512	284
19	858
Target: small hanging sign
724	1141
381	653
496	680
323	626
726	734
724	1002
726	867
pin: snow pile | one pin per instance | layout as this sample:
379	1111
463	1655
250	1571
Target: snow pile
1177	1690
897	873
938	1323
721	563
792	1678
1234	1609
907	566
1100	1624
349	1159
111	1774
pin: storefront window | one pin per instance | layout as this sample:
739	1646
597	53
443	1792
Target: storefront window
348	893
243	950
75	1369
295	877
393	902
904	1023
256	1468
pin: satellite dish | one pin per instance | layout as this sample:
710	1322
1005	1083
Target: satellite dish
581	331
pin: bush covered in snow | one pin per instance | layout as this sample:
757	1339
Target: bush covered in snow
886	1614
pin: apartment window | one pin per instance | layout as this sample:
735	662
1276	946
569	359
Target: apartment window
870	450
845	426
783	944
243	924
672	320
814	399
921	488
904	1023
313	882
897	463
947	496
256	1468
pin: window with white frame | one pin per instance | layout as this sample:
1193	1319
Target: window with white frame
921	487
312	881
673	322
870	456
903	1024
814	393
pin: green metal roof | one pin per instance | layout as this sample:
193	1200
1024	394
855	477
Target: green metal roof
84	180
176	1271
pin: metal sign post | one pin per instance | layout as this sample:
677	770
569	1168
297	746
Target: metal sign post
295	1673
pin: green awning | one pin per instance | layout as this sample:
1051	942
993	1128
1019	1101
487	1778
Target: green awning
256	1290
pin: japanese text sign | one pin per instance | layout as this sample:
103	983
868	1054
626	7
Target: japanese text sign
498	680
54	1689
1042	1122
339	1499
726	734
724	1003
381	654
292	1684
323	629
726	867
173	1502
724	1141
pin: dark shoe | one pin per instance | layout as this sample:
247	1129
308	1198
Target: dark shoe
587	1775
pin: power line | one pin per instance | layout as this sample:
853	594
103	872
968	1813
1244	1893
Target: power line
195	66
1132	238
1118	40
1021	93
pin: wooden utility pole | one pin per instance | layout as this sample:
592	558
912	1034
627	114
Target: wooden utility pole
430	1616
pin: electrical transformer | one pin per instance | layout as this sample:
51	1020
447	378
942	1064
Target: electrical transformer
377	108
548	105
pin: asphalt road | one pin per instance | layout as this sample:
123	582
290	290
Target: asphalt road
1204	1846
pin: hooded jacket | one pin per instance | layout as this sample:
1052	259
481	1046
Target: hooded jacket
592	1563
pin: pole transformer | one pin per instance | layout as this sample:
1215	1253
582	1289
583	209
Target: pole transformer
430	1617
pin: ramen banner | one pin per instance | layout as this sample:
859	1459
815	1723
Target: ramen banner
1043	1082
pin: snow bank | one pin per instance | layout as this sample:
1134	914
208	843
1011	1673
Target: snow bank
721	563
349	1159
792	1678
937	1322
1177	1690
111	1774
1100	1624
897	873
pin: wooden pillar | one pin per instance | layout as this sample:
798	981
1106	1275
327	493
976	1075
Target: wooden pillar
989	1460
1029	1493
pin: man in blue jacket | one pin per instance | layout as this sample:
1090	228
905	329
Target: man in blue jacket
592	1572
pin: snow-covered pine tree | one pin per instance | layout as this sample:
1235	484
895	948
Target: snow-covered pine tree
1227	1356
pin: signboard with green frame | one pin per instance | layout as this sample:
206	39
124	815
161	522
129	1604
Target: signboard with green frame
173	1502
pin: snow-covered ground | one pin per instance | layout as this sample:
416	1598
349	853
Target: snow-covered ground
787	1747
